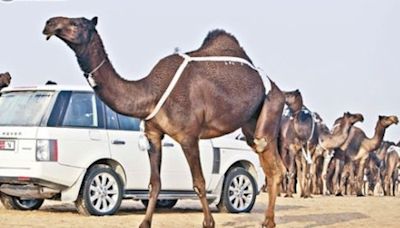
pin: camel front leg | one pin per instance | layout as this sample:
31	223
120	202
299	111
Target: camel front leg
359	179
327	159
291	173
300	174
306	178
155	180
190	147
344	176
314	177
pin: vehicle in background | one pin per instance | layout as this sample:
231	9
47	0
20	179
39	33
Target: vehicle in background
63	143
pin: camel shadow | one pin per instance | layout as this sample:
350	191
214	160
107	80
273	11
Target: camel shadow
321	220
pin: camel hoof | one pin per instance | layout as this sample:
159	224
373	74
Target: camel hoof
327	193
145	224
360	194
288	196
339	194
210	224
268	224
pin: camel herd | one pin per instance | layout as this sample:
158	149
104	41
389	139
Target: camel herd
335	161
215	97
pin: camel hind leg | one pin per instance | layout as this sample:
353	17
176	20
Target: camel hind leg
266	144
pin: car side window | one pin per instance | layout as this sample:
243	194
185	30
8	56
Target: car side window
81	111
111	118
128	123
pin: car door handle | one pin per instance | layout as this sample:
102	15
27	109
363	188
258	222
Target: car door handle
168	144
118	142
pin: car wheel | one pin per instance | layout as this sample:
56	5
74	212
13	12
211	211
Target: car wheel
101	193
239	192
16	203
162	204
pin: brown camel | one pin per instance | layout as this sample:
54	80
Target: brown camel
356	152
297	140
375	168
392	163
210	99
5	79
327	142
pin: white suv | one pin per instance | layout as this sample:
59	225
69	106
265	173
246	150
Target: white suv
63	143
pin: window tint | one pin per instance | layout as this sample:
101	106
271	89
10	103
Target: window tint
24	108
81	111
111	118
128	123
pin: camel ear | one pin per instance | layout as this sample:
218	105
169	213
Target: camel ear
94	21
380	117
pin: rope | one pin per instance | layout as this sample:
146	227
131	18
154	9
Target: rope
178	73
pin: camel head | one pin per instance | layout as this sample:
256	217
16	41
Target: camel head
353	118
294	100
73	31
5	80
386	121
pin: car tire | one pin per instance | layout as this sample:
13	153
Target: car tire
162	204
101	192
239	192
16	203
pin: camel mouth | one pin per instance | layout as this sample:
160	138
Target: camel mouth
48	34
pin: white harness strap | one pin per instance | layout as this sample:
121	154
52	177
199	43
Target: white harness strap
394	148
307	155
183	65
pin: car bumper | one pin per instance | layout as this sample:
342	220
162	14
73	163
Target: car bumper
50	174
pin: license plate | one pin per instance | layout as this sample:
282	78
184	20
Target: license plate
7	145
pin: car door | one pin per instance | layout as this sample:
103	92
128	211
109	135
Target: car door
123	134
175	171
76	123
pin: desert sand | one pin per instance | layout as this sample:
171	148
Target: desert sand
319	211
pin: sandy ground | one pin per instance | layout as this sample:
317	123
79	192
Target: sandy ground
316	212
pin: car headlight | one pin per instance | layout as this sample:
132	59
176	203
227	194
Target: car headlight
46	150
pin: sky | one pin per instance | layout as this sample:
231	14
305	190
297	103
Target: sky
343	55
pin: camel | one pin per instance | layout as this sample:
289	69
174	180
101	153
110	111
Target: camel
356	151
375	168
211	98
392	163
5	79
322	141
297	140
327	142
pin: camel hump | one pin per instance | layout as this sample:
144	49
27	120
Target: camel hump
219	42
220	36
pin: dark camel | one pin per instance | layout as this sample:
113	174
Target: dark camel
377	167
297	135
5	80
209	100
356	152
327	142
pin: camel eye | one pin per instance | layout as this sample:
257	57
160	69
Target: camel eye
73	23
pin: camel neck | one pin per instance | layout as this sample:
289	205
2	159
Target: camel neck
376	140
125	97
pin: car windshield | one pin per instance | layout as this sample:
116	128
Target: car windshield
24	108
